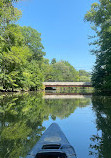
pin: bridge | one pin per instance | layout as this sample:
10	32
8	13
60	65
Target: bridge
67	84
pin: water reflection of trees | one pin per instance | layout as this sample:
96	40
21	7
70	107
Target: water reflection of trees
101	145
62	108
81	90
21	118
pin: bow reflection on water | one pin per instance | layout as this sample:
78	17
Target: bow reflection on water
21	118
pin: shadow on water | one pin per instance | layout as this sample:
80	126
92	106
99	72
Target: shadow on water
22	116
101	143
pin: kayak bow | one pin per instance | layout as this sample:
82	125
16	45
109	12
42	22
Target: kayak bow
52	144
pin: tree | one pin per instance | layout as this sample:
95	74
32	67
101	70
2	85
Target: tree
32	39
47	70
21	51
14	55
11	41
84	76
61	71
53	61
8	13
74	76
100	16
32	76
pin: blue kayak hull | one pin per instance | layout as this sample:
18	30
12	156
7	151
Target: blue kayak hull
53	142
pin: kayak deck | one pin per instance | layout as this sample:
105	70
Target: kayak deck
52	144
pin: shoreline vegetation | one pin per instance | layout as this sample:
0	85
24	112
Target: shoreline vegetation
23	66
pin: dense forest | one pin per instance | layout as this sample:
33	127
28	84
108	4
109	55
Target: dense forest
22	62
100	18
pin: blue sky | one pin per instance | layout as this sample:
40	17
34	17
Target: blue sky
63	30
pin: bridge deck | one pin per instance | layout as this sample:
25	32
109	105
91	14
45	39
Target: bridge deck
67	84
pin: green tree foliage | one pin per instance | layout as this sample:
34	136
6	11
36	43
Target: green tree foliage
32	39
62	71
14	55
8	13
84	76
32	76
73	73
100	17
21	54
47	70
53	61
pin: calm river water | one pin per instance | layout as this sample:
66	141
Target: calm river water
85	120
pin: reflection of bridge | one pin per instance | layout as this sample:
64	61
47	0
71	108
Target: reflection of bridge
62	96
67	84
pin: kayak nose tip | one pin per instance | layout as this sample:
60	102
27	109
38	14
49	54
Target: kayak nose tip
54	124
